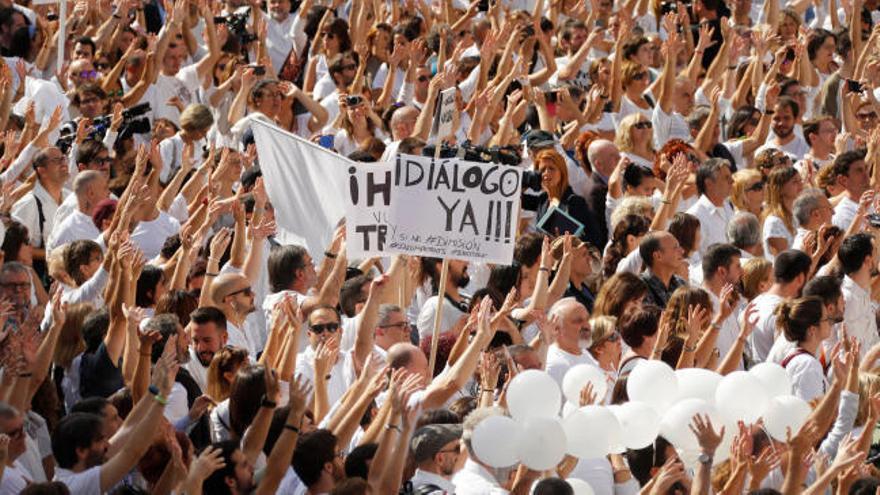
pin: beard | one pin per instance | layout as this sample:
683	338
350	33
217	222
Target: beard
205	358
95	458
463	280
783	133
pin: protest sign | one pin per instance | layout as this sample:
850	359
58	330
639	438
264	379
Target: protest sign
451	208
312	189
444	119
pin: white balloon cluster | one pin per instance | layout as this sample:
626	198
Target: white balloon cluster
662	401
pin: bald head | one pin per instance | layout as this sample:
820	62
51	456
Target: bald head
603	156
84	180
563	306
407	356
227	284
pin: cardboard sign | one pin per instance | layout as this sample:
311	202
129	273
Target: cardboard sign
442	127
451	208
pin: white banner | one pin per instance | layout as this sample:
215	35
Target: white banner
451	208
312	189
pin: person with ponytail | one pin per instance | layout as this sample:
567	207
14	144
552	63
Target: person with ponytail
804	322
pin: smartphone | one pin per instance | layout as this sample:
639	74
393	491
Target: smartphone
551	96
219	19
854	86
259	70
326	141
354	100
789	55
51	16
873	219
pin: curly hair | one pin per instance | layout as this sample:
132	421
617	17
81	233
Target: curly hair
669	151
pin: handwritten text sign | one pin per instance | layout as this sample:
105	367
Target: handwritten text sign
366	211
451	208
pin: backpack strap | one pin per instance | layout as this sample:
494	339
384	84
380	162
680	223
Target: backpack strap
793	355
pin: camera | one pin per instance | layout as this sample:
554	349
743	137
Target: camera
133	122
505	155
354	100
236	24
531	179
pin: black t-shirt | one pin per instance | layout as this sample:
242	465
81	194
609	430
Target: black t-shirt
98	376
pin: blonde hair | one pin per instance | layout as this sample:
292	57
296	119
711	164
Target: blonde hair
755	271
632	205
623	137
741	180
775	202
601	327
869	384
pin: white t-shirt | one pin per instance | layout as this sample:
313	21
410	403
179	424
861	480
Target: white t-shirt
774	228
807	379
77	226
87	482
150	235
182	85
764	333
449	318
560	361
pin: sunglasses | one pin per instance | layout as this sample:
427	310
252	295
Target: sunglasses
757	186
246	291
424	79
88	74
328	34
321	327
643	125
348	67
866	116
640	76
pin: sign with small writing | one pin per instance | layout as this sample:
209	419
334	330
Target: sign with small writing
366	211
450	208
444	119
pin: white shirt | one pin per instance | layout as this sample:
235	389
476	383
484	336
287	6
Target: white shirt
764	333
844	213
729	329
183	85
220	424
279	40
774	228
796	149
26	212
449	318
150	235
237	338
77	226
807	379
342	374
87	482
858	315
713	221
560	361
196	370
474	479
669	126
422	478
14	480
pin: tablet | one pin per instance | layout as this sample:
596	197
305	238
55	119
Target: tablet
557	222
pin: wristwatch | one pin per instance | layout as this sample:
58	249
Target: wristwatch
705	459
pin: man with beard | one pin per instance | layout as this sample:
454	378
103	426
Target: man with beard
89	461
721	273
207	331
454	304
570	348
232	294
324	331
851	173
784	138
186	404
342	68
435	450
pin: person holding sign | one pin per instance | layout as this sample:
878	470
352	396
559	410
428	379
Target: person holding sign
454	303
557	196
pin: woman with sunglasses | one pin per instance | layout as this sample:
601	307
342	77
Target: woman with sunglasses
606	348
748	191
783	187
356	125
805	322
636	95
747	131
635	139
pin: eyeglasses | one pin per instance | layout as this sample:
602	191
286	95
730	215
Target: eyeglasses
424	79
757	186
348	67
246	291
321	327
16	433
611	337
643	125
866	116
640	76
88	74
106	160
17	285
328	34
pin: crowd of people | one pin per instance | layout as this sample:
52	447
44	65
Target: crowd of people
159	333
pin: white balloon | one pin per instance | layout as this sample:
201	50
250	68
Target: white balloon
785	411
533	393
589	431
580	486
615	437
495	441
542	443
774	378
653	382
697	383
675	426
741	396
639	424
568	408
577	377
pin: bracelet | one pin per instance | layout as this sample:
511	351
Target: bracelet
268	404
291	428
153	389
544	269
328	254
769	112
212	274
731	67
690	349
666	201
393	427
161	400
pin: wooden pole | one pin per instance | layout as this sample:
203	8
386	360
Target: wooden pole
62	35
441	296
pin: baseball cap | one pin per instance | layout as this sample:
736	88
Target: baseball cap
428	440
